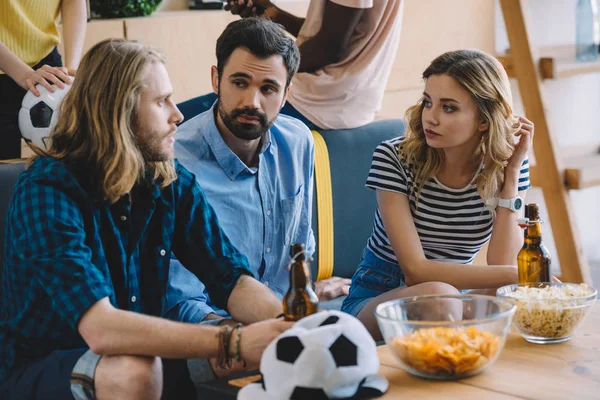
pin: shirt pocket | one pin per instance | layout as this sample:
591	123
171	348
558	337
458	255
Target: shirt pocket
291	210
378	280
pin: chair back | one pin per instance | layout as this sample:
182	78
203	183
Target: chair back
9	174
350	154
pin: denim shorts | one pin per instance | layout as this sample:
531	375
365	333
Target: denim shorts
64	374
70	374
373	277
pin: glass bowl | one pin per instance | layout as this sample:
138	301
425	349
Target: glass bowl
445	337
549	312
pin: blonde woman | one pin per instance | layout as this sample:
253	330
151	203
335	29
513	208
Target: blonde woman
455	182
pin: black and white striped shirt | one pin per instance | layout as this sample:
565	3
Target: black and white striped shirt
453	224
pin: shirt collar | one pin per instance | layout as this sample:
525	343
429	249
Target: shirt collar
147	183
227	159
150	184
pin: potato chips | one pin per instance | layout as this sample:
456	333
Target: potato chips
450	352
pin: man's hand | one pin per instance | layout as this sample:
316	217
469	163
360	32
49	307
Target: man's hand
248	8
256	337
212	317
331	288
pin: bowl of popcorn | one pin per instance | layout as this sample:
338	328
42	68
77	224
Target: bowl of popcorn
445	337
549	312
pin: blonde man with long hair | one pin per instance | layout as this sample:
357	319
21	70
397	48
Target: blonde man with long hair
90	229
456	181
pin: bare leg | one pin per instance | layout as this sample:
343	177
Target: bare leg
367	316
128	377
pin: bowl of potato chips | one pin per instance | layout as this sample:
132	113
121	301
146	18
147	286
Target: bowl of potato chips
445	337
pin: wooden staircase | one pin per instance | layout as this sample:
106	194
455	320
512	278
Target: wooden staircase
556	170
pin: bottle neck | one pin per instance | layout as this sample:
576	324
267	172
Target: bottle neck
533	234
299	277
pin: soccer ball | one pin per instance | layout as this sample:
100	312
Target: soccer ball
38	115
326	355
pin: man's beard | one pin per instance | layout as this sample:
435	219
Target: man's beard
241	130
152	147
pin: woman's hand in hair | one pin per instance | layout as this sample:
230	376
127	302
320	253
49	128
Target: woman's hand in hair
248	8
46	76
525	135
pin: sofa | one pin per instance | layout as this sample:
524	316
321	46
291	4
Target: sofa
343	209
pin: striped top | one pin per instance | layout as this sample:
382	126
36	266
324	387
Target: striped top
453	224
29	28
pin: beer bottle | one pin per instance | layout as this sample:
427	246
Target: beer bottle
300	299
534	258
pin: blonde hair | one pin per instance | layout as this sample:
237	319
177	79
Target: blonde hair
95	131
484	78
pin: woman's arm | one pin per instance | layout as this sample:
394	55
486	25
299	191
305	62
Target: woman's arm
401	230
12	66
26	77
507	237
74	20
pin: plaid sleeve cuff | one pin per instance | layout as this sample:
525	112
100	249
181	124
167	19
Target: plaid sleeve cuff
83	294
220	294
191	311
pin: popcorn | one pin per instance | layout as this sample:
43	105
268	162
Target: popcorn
551	311
551	292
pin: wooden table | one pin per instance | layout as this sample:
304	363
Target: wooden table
569	370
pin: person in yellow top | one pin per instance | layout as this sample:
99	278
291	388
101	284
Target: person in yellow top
29	56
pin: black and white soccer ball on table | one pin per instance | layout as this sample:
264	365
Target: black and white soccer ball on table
38	115
327	355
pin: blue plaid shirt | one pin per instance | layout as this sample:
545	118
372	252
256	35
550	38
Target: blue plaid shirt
65	251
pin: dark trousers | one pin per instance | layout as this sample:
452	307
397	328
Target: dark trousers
11	96
50	378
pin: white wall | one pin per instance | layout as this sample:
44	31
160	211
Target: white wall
572	104
171	5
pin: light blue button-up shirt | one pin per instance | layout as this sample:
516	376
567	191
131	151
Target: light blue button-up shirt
262	210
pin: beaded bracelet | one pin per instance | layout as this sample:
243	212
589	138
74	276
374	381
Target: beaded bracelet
223	356
237	353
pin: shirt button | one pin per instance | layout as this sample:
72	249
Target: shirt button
267	284
123	218
133	299
268	212
163	252
268	250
